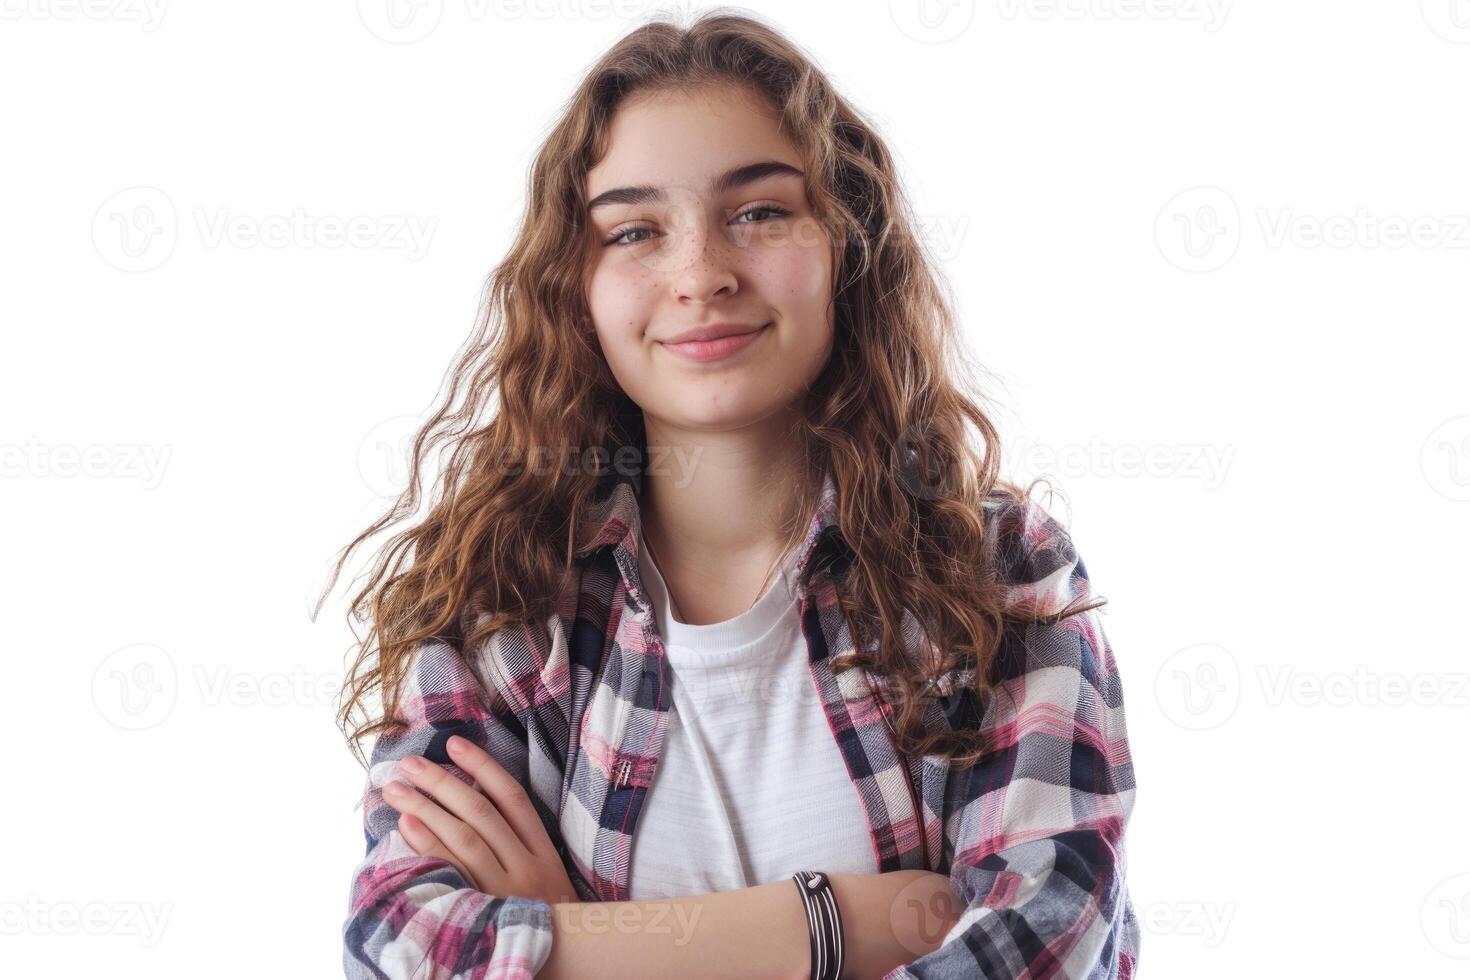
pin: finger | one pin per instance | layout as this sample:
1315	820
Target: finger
468	804
460	839
425	844
508	795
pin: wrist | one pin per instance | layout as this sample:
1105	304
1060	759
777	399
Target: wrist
792	937
823	914
892	918
866	901
926	910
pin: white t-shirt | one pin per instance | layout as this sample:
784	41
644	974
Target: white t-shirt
751	786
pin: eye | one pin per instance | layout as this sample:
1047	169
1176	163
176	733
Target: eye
620	237
774	209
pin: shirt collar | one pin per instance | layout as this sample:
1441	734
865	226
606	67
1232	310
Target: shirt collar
612	520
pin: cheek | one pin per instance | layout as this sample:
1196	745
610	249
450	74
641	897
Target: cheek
796	281
616	294
619	302
796	268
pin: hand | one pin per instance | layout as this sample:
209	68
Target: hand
492	835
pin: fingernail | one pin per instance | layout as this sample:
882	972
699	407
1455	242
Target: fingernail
412	764
457	743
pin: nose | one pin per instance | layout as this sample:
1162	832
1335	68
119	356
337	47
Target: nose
707	269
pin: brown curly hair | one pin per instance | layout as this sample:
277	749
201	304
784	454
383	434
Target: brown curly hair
886	416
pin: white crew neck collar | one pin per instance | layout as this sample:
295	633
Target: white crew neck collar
732	641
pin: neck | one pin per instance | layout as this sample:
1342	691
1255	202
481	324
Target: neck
715	504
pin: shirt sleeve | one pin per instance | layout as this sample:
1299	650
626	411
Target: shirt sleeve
416	917
1038	842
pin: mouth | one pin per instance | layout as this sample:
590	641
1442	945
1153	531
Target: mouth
717	349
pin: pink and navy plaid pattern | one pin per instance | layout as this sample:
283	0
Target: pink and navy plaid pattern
1032	837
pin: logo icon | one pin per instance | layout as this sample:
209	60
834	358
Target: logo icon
136	687
932	21
1199	229
136	229
400	21
1445	916
1198	688
1445	458
1450	19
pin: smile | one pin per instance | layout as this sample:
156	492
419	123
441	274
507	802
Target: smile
714	350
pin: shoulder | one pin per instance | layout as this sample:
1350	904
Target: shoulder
1035	558
1051	605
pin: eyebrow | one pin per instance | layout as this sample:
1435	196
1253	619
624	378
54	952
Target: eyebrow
729	180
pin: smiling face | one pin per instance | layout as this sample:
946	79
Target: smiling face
699	216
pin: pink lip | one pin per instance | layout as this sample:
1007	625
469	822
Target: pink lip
714	350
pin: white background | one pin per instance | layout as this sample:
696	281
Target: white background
1216	252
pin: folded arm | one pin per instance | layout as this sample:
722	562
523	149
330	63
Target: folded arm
416	917
1038	846
759	932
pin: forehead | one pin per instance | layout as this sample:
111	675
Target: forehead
684	138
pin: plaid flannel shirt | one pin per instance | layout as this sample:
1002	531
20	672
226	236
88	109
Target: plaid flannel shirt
576	708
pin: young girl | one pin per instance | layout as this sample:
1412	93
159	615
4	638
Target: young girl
723	650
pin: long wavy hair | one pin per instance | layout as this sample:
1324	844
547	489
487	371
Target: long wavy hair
886	416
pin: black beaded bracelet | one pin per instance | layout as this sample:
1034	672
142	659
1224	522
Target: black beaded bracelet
824	923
